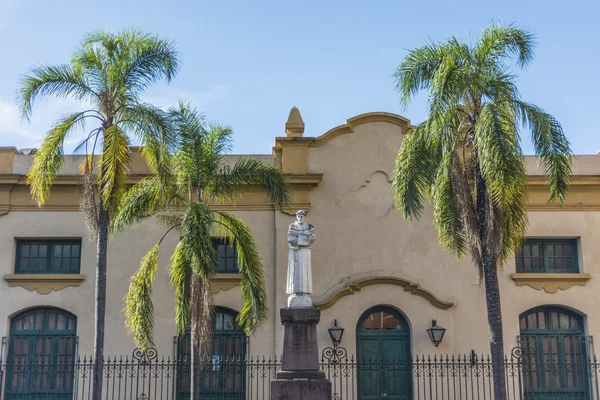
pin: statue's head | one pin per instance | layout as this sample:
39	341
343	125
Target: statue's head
300	216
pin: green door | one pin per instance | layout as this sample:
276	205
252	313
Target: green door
554	355
383	343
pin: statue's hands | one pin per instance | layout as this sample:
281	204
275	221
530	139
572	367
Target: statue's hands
293	240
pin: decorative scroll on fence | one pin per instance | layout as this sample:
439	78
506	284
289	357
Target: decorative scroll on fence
145	376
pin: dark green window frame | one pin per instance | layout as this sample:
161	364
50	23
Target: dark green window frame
554	350
42	348
550	256
223	372
53	259
227	257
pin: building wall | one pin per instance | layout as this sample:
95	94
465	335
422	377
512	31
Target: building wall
359	235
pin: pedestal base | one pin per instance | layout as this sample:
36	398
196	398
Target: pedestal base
300	389
300	378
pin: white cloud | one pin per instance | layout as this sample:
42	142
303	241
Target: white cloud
13	132
23	133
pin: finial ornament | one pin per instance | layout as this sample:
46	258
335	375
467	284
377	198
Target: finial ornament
294	127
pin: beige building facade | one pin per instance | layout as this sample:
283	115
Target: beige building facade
367	260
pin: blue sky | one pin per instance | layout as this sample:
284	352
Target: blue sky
247	63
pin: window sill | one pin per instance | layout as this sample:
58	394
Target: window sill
550	283
44	283
224	282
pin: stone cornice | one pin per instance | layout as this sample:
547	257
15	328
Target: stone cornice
361	119
44	283
224	282
352	284
550	283
583	194
14	194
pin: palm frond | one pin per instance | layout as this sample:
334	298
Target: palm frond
48	160
254	295
61	81
114	165
498	43
499	154
147	197
414	172
187	162
447	216
181	274
196	231
149	59
551	146
417	70
139	307
88	201
153	128
248	173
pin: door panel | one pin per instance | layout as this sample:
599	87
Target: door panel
396	371
369	368
383	343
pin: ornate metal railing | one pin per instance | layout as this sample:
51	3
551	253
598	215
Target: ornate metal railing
145	376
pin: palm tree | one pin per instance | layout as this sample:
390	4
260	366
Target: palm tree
466	157
109	72
201	177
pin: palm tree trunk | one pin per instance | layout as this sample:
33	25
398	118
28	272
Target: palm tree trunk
100	300
494	312
194	367
492	292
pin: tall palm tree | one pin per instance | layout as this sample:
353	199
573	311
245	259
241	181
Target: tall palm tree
201	177
467	159
108	72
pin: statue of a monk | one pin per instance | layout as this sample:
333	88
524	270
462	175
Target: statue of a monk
299	279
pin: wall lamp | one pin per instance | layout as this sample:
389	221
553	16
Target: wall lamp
436	333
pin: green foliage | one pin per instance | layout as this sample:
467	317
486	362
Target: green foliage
139	312
472	136
108	73
181	273
254	294
114	164
48	161
201	176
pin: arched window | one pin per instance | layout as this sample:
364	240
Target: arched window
221	373
554	351
41	354
383	343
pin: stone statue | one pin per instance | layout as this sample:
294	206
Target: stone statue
299	279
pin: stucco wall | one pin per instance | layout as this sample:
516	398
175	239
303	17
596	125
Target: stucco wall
357	232
124	255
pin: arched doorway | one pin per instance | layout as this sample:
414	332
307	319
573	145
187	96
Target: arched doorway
383	355
554	353
41	354
221	373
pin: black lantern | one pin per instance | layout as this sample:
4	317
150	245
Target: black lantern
336	333
436	333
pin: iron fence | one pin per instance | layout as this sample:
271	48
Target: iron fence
148	376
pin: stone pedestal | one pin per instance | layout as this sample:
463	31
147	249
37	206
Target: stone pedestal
300	378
